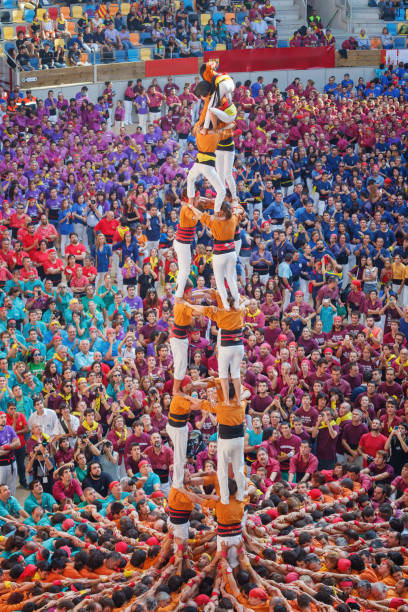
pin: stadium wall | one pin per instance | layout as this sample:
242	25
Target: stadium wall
320	76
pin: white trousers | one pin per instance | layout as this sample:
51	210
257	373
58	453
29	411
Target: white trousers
128	106
179	350
210	173
179	437
225	88
233	543
142	119
183	252
154	116
224	163
230	358
230	451
64	243
180	531
8	476
81	231
238	245
225	267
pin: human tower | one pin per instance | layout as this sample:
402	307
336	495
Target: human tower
215	158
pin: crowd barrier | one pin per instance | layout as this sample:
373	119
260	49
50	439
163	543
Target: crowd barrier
251	60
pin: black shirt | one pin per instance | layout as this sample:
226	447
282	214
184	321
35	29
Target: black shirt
101	485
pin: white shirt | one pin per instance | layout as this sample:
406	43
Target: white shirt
47	421
74	422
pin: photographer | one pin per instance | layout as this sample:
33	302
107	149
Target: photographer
85	446
65	453
90	427
97	479
108	459
40	466
118	436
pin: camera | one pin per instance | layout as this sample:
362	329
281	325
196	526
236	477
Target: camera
84	436
44	443
100	388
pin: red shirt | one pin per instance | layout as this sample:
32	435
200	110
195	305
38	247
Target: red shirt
46	232
107	228
25	275
20	423
70	270
75	249
371	444
49	265
9	258
91	271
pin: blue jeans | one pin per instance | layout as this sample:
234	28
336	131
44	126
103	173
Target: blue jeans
127	44
91	236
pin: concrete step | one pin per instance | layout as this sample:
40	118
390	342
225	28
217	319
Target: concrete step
288	15
362	17
362	4
283	4
371	29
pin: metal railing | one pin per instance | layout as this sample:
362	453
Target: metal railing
349	15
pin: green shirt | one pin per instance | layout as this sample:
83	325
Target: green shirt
11	507
47	502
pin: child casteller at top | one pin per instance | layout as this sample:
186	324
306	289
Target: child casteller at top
222	86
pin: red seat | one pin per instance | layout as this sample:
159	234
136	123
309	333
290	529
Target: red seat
53	12
22	29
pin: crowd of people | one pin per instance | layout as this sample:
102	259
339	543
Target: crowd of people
207	410
49	42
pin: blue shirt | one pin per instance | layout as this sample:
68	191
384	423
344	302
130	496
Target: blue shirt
102	257
11	506
153	233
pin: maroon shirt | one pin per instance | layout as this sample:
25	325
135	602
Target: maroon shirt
308	417
160	462
287	445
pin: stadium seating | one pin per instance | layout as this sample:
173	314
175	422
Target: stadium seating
21	16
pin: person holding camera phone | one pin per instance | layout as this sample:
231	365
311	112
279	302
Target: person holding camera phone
108	459
40	466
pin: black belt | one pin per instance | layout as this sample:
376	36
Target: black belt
228	432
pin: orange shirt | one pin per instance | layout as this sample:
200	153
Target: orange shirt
229	517
183	315
187	218
204	111
180	501
225	319
182	406
369	574
206	143
221	229
104	571
229	414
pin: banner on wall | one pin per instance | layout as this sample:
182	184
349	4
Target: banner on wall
171	67
393	56
295	58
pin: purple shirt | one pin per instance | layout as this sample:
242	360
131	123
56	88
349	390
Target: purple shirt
7	435
287	445
374	471
352	433
326	445
60	493
308	417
